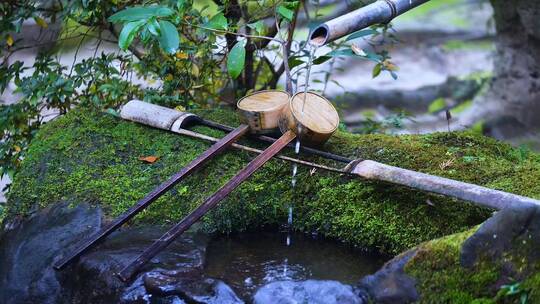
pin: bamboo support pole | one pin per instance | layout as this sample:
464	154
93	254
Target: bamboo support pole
171	120
478	195
258	151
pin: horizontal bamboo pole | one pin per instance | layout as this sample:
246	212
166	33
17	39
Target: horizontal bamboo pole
168	119
468	192
373	170
258	151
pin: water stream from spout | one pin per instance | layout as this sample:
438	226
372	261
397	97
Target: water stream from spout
293	184
312	51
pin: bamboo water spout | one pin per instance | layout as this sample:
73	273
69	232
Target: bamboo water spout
380	11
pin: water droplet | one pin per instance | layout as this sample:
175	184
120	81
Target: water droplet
289	221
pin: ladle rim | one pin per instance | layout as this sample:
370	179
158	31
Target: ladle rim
295	115
277	107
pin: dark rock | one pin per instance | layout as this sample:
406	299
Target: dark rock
30	248
390	285
199	290
310	291
511	232
95	278
28	251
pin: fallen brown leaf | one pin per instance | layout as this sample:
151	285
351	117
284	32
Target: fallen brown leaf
149	159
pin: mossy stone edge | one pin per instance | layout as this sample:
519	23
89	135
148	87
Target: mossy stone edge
92	157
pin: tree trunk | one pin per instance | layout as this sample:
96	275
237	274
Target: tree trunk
514	94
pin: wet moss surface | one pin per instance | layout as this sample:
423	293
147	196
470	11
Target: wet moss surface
442	279
94	157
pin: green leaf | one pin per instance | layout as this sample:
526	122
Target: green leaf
524	298
153	27
218	22
347	52
169	39
128	33
360	34
236	59
257	26
285	12
376	70
321	59
180	4
295	61
141	13
437	105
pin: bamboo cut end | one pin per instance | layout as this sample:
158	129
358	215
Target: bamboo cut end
319	35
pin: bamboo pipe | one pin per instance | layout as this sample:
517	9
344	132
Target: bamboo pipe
475	194
369	169
381	11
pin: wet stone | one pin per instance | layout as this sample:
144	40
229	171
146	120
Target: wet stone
28	250
390	284
309	291
96	271
511	232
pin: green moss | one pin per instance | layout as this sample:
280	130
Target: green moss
93	157
441	279
532	284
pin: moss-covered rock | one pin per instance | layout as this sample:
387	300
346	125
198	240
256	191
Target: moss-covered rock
93	157
495	263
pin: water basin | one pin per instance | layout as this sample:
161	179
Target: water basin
248	261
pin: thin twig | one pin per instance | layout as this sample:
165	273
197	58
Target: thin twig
77	50
233	33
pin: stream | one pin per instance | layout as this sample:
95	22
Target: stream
250	260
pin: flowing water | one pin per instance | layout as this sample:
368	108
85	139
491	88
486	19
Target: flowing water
249	260
312	51
293	184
